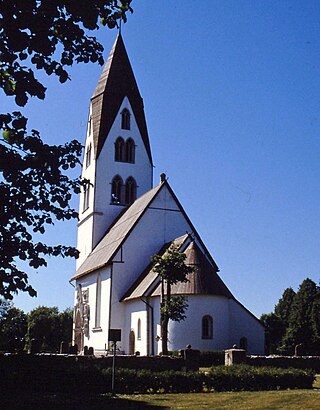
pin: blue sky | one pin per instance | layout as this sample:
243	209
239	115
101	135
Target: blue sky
231	92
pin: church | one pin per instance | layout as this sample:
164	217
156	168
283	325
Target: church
123	221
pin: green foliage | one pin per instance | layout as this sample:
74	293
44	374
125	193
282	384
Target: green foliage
294	326
275	330
219	378
35	189
172	269
212	358
13	327
249	378
50	36
49	327
302	325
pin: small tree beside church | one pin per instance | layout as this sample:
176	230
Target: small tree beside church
172	269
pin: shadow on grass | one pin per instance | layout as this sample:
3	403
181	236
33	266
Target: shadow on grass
64	402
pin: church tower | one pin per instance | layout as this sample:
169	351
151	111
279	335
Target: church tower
117	159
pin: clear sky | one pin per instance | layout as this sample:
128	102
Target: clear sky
232	98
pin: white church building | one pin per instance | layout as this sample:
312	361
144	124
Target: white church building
123	221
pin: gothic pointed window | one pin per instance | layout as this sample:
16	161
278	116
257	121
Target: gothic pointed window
131	191
116	190
207	327
130	150
125	119
119	153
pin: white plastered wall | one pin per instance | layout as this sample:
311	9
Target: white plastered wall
108	168
85	225
244	324
161	223
189	331
98	336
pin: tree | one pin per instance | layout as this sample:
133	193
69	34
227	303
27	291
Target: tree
13	327
295	322
300	330
35	190
49	327
283	307
172	269
275	329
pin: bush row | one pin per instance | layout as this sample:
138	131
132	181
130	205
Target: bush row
298	362
60	375
219	378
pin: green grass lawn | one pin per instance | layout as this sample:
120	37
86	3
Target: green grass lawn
287	399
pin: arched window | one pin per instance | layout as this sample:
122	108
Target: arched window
86	196
139	330
125	119
130	150
207	327
131	191
116	190
88	155
119	150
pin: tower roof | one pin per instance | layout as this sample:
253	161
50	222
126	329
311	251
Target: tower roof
116	82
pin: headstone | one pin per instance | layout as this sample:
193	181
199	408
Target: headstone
64	348
34	346
191	358
73	349
234	356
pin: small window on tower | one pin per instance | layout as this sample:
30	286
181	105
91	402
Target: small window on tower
116	190
125	119
119	147
130	150
131	191
86	196
88	156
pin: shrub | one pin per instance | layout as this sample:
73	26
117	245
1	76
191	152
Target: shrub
244	377
211	358
219	378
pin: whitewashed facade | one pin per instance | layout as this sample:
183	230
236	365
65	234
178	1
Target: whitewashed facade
123	222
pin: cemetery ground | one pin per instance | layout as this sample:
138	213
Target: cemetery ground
284	399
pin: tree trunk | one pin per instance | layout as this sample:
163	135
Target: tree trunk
164	319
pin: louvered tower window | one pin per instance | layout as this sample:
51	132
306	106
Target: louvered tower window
125	119
130	150
131	191
119	150
116	190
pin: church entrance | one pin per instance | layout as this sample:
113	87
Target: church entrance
78	333
132	338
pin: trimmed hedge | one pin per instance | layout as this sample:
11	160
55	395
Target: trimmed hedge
219	378
212	358
249	378
81	376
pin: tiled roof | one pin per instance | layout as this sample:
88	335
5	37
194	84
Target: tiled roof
203	281
111	242
116	82
148	280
